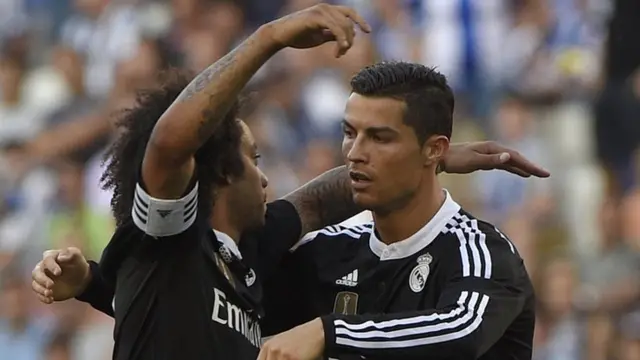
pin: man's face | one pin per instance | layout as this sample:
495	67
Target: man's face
386	162
248	192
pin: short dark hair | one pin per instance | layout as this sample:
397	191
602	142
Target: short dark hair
425	91
218	160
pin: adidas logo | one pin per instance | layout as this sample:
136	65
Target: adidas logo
349	280
164	213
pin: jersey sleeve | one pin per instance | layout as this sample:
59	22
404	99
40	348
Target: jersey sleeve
163	218
98	293
483	293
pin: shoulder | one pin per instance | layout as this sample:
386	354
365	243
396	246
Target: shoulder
282	213
342	233
484	251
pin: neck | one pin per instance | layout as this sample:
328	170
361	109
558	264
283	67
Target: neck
222	221
401	223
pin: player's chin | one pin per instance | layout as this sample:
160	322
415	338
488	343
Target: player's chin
365	200
256	222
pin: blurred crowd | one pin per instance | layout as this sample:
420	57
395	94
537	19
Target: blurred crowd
559	80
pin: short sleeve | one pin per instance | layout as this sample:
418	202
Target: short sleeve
162	218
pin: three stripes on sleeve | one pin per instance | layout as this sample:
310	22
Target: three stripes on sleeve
159	217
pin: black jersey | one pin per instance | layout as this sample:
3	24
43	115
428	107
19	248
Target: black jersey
457	289
181	291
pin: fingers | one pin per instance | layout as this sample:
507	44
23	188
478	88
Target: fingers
516	163
346	27
69	254
332	22
520	162
45	300
516	171
340	22
356	18
50	264
40	276
43	294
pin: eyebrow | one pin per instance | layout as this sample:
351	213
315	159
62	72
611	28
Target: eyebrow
372	129
345	123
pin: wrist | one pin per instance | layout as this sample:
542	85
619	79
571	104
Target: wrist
329	335
267	36
86	279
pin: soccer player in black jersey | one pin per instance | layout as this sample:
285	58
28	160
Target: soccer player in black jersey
425	279
183	290
178	284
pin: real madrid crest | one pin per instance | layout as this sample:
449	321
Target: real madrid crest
250	278
420	273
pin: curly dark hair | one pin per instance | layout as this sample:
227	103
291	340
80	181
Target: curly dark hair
216	161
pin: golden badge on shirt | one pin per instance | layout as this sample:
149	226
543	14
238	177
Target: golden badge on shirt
346	303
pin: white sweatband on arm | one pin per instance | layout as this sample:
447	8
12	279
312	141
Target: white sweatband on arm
159	217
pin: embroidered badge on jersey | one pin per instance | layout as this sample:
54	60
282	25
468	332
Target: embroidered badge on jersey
419	274
346	303
250	278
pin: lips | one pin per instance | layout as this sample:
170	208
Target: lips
359	180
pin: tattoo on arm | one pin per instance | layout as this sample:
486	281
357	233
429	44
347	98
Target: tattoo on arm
206	101
208	75
325	200
199	85
194	116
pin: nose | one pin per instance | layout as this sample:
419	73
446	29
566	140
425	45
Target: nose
354	150
263	179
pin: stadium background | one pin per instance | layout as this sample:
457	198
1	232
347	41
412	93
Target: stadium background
528	73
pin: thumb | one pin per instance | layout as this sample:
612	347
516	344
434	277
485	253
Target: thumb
490	161
327	35
499	159
68	254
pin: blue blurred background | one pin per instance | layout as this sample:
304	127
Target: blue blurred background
559	80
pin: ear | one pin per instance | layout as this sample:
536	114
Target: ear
434	149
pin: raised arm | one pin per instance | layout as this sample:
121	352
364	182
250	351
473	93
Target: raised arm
168	164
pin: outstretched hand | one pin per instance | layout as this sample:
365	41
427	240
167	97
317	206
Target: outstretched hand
466	158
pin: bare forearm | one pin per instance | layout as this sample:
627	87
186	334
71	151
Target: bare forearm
325	200
205	102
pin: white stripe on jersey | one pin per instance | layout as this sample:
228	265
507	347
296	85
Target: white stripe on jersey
437	327
470	236
334	230
158	217
513	250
